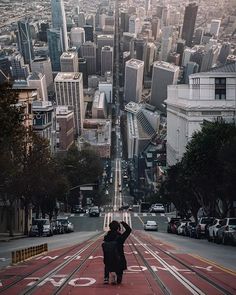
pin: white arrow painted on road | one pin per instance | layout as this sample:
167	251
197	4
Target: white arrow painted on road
208	268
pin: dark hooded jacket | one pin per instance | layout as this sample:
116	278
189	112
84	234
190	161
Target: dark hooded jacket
120	239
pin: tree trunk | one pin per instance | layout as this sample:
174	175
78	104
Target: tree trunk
10	218
26	230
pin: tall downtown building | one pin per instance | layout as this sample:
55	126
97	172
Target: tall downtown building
190	16
59	20
106	59
24	41
55	48
69	92
133	80
163	74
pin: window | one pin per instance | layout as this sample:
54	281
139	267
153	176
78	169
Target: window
220	88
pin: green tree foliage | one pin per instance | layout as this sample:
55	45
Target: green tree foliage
12	133
206	175
81	167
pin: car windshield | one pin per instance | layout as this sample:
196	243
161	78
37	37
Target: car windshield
232	221
43	221
151	222
94	209
206	220
63	221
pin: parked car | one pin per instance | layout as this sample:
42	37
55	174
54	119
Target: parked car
94	211
225	233
157	208
173	224
68	226
181	227
188	228
201	226
150	225
212	230
41	226
57	227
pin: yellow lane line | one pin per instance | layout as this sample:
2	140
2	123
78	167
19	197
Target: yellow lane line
230	271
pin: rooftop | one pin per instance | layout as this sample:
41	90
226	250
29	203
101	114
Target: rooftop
165	65
134	63
68	55
67	76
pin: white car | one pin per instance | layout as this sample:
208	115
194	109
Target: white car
213	229
68	226
150	225
181	228
157	208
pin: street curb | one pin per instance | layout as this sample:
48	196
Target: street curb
8	239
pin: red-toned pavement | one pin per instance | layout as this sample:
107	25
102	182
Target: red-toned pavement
153	268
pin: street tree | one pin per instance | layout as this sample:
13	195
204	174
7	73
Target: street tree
206	166
12	135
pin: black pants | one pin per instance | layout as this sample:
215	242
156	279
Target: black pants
118	273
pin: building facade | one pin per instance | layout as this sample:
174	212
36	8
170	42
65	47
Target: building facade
55	48
25	45
69	61
69	92
134	69
209	96
59	21
190	16
106	59
164	74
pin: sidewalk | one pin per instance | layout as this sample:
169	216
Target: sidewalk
4	237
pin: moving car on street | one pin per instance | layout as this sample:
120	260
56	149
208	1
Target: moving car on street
94	211
157	208
150	225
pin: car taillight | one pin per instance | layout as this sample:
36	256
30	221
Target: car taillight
227	228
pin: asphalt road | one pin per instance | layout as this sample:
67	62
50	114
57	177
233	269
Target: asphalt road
86	227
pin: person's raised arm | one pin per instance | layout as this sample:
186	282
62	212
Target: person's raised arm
127	231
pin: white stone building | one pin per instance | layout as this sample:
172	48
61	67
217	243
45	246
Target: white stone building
209	96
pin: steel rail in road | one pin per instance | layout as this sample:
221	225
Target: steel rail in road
156	278
192	288
64	253
95	242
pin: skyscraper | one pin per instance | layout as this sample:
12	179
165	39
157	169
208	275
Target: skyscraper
24	41
224	52
55	47
88	52
69	92
77	36
190	16
43	65
19	70
164	74
133	80
103	40
59	20
69	61
5	71
106	59
215	27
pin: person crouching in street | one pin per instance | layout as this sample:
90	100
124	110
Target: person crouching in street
113	251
